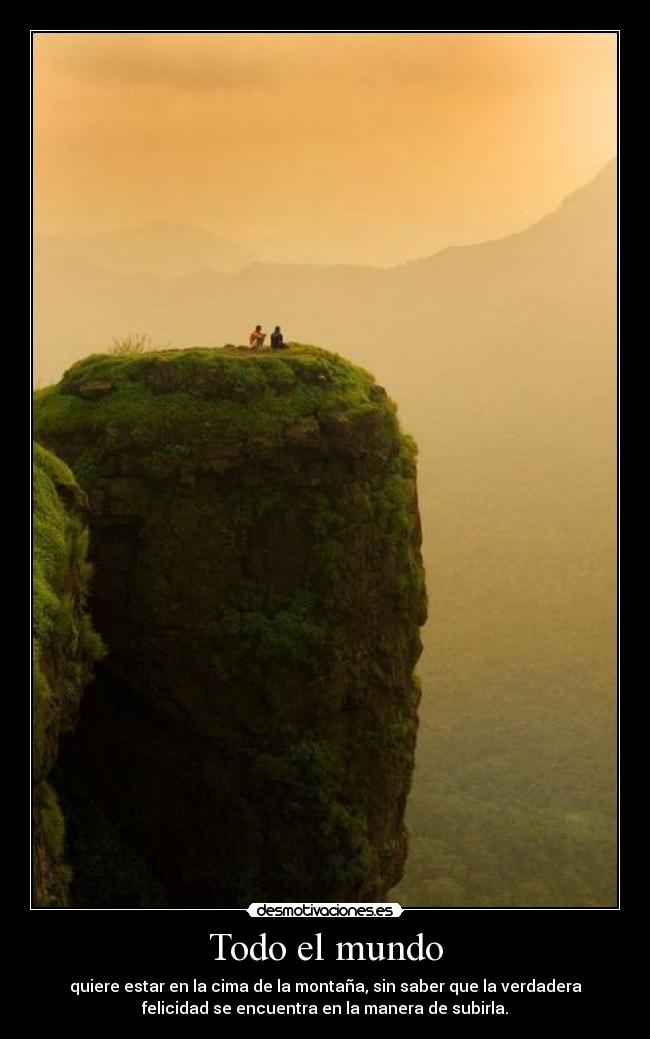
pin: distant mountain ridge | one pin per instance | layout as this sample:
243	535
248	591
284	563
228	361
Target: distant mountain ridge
157	247
176	292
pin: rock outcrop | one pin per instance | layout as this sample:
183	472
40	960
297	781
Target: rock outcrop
65	647
256	541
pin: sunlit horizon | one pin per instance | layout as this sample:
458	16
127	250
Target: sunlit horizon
320	148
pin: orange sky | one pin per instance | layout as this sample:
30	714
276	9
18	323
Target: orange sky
372	148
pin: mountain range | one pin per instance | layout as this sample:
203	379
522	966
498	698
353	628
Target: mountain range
178	284
157	247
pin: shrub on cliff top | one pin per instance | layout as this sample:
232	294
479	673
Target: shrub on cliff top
133	343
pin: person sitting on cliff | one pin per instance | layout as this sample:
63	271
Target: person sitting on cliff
277	342
257	338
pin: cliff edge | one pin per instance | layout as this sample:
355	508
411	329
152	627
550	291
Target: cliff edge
259	585
65	648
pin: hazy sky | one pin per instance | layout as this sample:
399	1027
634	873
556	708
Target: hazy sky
372	148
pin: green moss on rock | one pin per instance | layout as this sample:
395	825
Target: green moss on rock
65	647
256	539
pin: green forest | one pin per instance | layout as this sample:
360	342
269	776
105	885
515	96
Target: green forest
501	814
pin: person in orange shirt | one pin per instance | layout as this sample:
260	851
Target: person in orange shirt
257	338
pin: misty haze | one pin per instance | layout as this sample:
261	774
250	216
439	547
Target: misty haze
501	357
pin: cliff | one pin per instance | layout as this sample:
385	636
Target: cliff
65	647
256	541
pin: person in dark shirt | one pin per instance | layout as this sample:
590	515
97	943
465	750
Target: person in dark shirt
277	342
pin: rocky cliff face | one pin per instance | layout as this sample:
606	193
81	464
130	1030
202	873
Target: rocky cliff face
256	540
65	647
